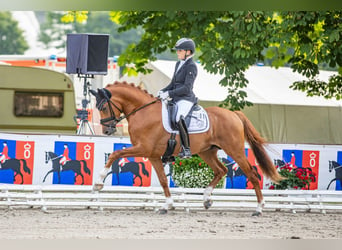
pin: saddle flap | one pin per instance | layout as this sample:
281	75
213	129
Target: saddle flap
197	120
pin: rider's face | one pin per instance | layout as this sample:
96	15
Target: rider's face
181	54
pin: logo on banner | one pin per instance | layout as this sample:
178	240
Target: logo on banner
306	160
236	178
71	163
16	161
131	171
336	167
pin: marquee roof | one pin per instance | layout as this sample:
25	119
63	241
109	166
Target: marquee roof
266	85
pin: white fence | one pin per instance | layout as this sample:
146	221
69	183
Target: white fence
115	197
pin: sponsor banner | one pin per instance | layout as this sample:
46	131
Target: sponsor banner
335	167
78	160
307	160
16	161
131	171
236	178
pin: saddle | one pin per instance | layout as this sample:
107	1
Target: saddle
197	120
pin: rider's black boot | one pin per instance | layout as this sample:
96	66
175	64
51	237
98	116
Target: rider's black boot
184	136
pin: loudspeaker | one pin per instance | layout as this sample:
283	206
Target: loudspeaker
87	54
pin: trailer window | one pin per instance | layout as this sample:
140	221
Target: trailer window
38	104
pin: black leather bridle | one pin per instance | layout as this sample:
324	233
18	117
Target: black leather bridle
111	121
107	122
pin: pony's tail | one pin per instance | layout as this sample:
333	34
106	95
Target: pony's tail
256	142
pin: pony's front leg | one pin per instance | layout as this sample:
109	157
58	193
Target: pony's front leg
158	166
128	152
99	183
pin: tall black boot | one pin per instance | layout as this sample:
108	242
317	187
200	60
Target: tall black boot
184	136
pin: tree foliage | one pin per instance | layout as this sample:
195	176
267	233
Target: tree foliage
58	24
228	42
12	40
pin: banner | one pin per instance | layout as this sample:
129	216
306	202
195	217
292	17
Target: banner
16	161
77	160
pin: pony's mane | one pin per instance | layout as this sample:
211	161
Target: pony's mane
130	85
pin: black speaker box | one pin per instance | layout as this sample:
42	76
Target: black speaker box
87	54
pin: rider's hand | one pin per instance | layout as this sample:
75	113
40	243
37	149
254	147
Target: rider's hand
163	95
160	92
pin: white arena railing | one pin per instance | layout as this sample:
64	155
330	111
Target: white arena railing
116	197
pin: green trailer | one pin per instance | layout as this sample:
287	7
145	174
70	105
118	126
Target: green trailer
36	100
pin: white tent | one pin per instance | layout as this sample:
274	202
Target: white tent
279	113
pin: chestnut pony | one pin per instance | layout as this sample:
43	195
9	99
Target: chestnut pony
228	131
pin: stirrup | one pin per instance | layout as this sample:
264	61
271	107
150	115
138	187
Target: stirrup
185	153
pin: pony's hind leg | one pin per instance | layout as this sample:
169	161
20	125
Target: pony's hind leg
210	157
252	176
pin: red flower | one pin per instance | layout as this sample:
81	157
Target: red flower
272	187
180	163
295	187
200	164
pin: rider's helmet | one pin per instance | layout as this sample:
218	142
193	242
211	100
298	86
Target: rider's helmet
186	44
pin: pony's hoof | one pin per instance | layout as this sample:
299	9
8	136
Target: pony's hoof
98	186
162	211
207	204
257	214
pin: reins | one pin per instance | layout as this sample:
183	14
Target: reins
117	120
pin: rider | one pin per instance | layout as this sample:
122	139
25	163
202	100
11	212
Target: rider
65	155
4	154
180	89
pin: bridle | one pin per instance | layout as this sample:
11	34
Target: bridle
111	121
106	121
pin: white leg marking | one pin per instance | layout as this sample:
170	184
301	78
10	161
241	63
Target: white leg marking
260	206
168	203
98	185
102	175
207	193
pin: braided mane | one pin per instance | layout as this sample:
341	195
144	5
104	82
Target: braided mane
130	85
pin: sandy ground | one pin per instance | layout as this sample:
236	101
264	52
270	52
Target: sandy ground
177	224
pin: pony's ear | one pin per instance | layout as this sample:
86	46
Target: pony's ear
102	97
104	93
93	92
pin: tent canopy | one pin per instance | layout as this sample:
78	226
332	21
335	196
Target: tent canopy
279	113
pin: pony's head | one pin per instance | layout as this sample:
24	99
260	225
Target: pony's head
109	116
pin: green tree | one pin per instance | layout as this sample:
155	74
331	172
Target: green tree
12	40
230	41
58	24
309	41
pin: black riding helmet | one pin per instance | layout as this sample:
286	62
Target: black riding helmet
186	44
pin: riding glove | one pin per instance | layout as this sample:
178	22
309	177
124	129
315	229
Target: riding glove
163	95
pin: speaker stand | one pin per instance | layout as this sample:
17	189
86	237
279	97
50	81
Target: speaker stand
83	114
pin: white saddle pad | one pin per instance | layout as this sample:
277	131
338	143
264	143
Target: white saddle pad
199	122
